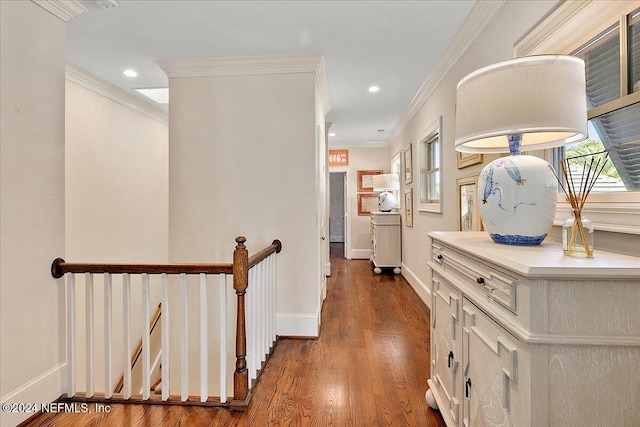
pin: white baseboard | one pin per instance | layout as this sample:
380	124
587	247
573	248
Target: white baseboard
297	325
360	253
423	291
45	388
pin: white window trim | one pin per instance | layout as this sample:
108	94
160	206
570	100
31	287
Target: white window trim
424	135
563	31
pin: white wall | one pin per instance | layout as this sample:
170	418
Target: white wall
117	207
494	44
32	62
243	162
359	226
117	181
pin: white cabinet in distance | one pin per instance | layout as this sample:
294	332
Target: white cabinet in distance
385	241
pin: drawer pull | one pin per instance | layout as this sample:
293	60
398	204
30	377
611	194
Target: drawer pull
440	257
467	386
449	359
480	280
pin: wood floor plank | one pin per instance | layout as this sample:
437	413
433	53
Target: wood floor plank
368	368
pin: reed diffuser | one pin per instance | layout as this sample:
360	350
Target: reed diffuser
577	231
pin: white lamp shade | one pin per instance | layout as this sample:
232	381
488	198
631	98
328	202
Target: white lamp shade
387	181
541	97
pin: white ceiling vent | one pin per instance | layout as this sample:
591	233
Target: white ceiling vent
107	4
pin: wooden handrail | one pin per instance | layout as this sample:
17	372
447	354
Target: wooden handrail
240	271
275	247
60	267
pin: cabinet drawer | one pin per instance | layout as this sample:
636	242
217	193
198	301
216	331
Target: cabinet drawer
499	286
385	218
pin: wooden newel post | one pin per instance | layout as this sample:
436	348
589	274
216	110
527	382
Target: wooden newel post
240	284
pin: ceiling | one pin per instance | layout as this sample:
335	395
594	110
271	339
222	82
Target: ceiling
394	45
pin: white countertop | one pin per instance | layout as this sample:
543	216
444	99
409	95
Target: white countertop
544	260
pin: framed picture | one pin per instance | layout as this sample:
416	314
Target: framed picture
408	164
365	180
367	203
468	208
468	159
408	207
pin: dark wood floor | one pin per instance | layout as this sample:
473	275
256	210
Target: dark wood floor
369	367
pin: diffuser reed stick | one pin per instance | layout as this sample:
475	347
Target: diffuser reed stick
576	193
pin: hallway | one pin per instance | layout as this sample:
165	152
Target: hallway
369	367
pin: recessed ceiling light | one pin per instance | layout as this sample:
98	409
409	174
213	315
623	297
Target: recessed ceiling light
374	89
158	94
130	73
332	134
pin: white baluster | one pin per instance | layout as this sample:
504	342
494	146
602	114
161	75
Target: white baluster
126	322
146	342
223	337
108	338
264	309
71	334
204	346
272	293
258	293
255	320
184	341
250	331
269	288
165	337
89	332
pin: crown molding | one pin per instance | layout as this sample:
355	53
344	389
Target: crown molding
254	65
323	85
367	144
63	9
572	22
481	13
87	80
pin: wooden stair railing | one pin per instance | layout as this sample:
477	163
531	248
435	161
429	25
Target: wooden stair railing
244	377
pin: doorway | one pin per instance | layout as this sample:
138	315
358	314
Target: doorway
338	214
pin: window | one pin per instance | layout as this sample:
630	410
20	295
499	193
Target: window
430	161
607	36
614	124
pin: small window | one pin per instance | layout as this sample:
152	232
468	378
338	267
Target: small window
612	60
613	106
430	157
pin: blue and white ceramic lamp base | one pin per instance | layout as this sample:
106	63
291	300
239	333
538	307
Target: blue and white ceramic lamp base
517	197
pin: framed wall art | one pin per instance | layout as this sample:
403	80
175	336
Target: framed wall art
408	207
468	208
367	203
365	180
468	159
408	164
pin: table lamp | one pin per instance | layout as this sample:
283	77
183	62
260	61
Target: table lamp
533	102
384	183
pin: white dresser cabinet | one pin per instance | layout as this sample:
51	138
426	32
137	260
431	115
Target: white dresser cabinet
385	241
525	336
